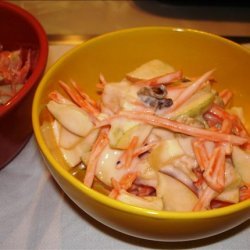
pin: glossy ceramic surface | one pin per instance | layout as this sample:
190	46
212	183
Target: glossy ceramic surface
18	30
114	55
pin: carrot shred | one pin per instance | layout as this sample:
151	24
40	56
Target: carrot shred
226	95
183	128
125	183
245	192
144	149
214	174
200	154
205	199
84	95
237	125
128	155
226	126
99	145
164	79
189	91
77	98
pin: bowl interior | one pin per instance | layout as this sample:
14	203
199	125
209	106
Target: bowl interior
117	53
120	52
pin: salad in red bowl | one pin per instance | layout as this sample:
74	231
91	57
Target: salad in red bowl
23	58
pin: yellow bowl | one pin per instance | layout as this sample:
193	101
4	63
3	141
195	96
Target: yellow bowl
115	54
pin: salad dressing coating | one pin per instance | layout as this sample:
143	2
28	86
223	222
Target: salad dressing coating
157	139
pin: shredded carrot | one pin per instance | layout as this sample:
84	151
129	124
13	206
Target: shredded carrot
59	98
144	149
189	91
101	84
226	126
214	174
127	180
182	128
200	180
77	98
245	192
226	95
164	79
204	200
200	154
125	183
116	188
84	95
99	145
220	113
128	155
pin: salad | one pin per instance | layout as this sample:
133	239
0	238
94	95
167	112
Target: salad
157	139
14	70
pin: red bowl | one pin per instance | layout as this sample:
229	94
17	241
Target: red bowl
19	29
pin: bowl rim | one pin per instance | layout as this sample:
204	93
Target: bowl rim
97	196
42	57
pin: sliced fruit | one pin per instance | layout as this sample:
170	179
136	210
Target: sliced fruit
150	70
185	142
114	94
241	161
71	117
233	182
195	106
238	111
73	155
123	130
107	166
52	144
149	202
164	153
179	175
67	139
176	196
163	134
146	175
229	195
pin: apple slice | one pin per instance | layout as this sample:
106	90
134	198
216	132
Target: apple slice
238	111
73	155
176	196
232	184
194	106
150	70
123	130
71	117
106	168
116	94
230	195
149	202
164	153
50	140
185	142
241	161
179	175
67	139
146	175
